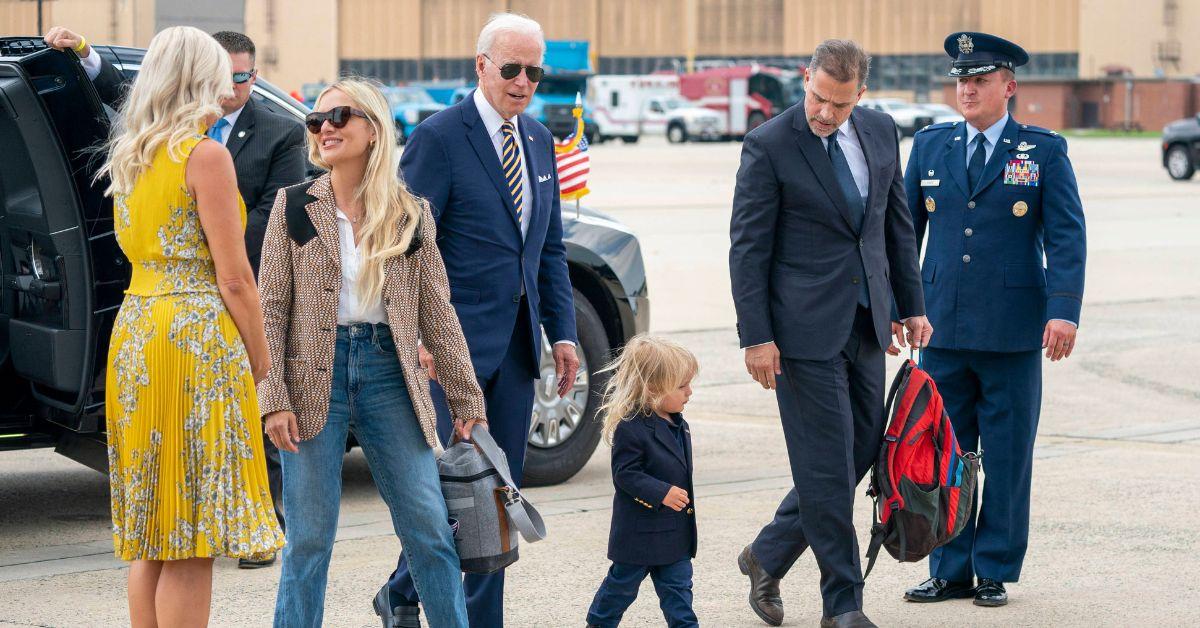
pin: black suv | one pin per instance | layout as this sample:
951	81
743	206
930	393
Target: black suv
1181	147
62	275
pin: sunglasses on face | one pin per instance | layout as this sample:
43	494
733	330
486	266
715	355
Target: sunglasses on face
338	117
242	77
509	71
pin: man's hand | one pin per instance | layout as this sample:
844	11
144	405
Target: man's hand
283	430
426	360
762	363
676	499
462	428
566	365
898	335
63	39
1059	340
919	332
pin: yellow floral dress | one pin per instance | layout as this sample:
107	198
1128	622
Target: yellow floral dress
188	475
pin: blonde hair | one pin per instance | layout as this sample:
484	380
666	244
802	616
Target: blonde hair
648	369
183	79
384	197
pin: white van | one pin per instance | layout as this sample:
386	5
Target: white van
628	106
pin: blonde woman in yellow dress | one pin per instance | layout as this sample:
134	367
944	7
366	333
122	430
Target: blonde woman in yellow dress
186	463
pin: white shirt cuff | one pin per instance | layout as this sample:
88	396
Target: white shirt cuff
91	65
566	342
1071	323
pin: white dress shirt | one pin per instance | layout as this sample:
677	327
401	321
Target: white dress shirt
350	310
848	141
991	137
492	122
227	131
91	65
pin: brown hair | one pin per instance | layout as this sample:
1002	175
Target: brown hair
842	59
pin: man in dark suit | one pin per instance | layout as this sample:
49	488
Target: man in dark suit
268	153
1003	274
822	246
489	174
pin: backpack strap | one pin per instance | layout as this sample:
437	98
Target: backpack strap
522	513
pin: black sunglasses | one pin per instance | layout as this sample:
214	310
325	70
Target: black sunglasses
242	77
509	71
338	117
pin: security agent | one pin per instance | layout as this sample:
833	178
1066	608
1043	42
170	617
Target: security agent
997	197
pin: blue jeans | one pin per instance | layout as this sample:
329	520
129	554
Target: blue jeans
368	397
673	583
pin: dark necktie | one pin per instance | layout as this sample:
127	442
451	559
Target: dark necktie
845	178
858	208
978	159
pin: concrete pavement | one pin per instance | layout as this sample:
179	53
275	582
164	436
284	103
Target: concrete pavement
1117	471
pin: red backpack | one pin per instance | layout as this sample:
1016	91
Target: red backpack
922	483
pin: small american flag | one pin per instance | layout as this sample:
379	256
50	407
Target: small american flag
573	168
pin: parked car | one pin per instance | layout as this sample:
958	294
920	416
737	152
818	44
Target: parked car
62	274
1181	147
410	107
909	118
942	112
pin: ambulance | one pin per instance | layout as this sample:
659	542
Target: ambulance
629	106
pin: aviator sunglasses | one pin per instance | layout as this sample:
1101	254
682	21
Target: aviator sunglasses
338	117
242	77
509	71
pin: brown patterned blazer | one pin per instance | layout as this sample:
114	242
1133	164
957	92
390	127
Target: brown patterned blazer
300	285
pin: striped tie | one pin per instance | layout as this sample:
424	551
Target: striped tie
510	162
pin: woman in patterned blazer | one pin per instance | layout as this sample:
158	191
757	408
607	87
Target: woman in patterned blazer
351	275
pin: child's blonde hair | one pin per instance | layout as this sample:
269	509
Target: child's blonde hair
648	369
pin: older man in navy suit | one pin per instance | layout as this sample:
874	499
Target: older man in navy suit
821	246
489	174
1003	278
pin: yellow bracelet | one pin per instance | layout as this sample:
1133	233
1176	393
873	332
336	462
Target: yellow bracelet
82	44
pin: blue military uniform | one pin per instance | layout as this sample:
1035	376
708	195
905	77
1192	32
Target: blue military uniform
1004	257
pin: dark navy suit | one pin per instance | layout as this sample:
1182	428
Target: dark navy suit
1002	259
649	456
504	288
796	263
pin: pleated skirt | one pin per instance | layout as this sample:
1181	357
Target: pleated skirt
186	464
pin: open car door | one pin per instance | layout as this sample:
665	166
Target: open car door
63	274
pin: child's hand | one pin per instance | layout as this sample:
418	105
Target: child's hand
676	499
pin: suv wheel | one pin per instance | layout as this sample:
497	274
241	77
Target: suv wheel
676	134
564	432
1179	163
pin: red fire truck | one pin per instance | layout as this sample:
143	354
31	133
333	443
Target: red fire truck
747	95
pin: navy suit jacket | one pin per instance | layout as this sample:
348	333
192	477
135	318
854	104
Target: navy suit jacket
450	161
794	256
986	287
646	463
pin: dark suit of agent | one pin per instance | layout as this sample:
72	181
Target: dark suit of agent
822	245
268	153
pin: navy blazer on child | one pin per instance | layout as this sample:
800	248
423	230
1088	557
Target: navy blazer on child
646	462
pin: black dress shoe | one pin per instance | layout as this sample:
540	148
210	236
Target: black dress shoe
395	616
249	563
939	590
764	590
990	593
852	619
